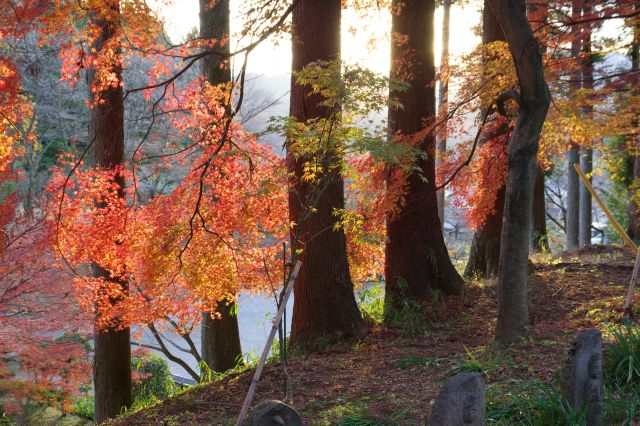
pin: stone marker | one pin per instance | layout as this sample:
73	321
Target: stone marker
272	413
461	401
583	383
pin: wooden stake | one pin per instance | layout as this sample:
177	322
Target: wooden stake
267	346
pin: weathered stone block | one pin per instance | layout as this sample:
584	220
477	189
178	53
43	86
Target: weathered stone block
583	379
272	413
461	401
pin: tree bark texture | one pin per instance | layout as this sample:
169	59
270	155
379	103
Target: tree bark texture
443	99
586	156
634	210
539	235
573	157
573	198
513	307
540	240
415	252
220	335
485	246
584	235
220	346
112	347
324	305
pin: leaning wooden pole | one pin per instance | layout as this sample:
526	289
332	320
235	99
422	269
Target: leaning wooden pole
628	313
636	269
267	346
606	211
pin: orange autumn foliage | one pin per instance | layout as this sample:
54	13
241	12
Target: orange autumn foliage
216	234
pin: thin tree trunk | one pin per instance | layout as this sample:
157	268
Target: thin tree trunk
540	239
324	306
485	246
484	254
634	210
573	198
513	303
112	352
633	227
220	336
586	157
539	229
443	99
573	157
415	252
586	163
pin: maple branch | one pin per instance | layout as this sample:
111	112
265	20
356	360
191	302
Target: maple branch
146	345
556	222
466	162
192	59
187	338
171	356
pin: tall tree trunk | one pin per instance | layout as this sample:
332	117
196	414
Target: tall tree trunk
573	157
634	211
220	336
324	306
415	252
443	99
112	352
513	303
485	246
586	157
539	240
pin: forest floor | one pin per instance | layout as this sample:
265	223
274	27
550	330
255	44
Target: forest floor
392	376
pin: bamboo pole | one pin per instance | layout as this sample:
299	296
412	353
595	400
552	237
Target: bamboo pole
606	211
267	346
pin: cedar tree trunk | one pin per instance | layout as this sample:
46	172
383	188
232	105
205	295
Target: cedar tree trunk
415	252
513	308
443	99
485	246
220	336
324	306
112	352
586	157
573	157
634	212
539	230
540	239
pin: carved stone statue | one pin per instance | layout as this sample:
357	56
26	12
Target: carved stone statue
583	380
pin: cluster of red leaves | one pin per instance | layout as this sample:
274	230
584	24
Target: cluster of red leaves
41	349
43	330
365	226
216	234
476	186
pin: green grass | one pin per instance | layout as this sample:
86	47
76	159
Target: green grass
492	361
416	361
537	403
622	373
531	404
623	358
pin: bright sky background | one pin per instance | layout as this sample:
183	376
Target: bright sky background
182	15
